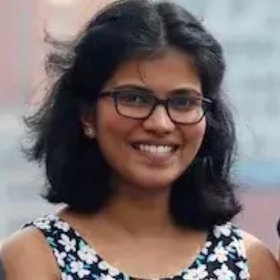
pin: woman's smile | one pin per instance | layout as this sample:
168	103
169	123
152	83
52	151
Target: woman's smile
156	154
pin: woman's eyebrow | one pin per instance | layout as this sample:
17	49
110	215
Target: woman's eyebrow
185	91
178	91
133	87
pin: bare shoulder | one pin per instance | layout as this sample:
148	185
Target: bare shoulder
262	263
26	255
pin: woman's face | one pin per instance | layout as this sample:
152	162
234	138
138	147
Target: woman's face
154	152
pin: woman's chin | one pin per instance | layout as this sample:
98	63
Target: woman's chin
151	180
153	183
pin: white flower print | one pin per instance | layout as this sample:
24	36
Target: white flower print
206	247
224	273
62	225
244	273
219	254
102	265
87	255
106	277
105	266
112	271
78	261
198	273
78	268
224	230
69	245
42	224
65	276
60	256
238	246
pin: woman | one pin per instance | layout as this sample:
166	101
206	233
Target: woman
138	142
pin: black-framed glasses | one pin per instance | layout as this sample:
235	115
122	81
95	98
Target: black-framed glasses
184	108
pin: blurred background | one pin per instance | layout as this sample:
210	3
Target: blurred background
249	33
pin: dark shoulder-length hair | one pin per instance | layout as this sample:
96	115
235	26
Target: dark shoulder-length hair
76	171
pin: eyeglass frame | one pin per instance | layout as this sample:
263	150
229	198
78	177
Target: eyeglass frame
157	101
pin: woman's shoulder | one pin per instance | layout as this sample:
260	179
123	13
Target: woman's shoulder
26	255
262	263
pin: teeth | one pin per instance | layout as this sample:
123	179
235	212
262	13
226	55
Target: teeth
155	149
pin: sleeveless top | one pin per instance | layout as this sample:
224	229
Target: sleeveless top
222	256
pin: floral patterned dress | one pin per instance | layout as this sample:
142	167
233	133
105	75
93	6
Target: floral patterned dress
222	257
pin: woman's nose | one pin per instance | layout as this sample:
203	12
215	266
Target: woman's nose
159	121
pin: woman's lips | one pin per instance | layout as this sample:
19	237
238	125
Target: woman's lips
157	154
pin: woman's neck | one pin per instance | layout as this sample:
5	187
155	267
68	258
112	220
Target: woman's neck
140	213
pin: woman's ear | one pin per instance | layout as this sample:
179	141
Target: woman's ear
88	122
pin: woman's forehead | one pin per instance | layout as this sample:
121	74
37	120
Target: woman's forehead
171	69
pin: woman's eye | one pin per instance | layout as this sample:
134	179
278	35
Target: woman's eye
134	99
184	102
180	101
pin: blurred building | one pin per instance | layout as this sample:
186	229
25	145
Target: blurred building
247	30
